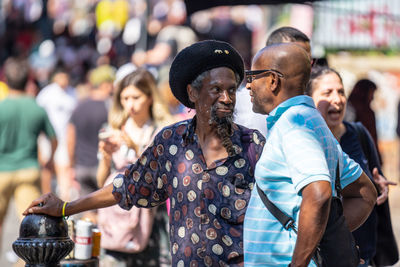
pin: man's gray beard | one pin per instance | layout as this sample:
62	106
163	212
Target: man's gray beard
224	129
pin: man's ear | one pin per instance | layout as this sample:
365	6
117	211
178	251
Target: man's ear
192	93
274	83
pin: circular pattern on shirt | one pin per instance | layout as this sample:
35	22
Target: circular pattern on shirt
207	261
143	202
164	178
181	232
187	252
226	213
217	249
189	223
211	233
221	170
191	195
222	264
251	185
136	176
204	219
179	195
167	133
196	168
118	182
160	149
181	167
212	209
148	177
206	177
226	191
233	254
143	160
240	163
159	183
177	215
173	149
189	155
219	186
127	172
197	211
237	149
209	194
255	138
186	180
131	189
175	182
195	238
217	225
175	248
172	202
235	232
199	184
180	264
144	191
168	165
194	263
153	165
239	190
184	210
240	204
227	240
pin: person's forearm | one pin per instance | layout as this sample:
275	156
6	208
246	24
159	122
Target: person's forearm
99	199
313	217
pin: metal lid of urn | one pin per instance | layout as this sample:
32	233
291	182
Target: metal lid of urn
43	240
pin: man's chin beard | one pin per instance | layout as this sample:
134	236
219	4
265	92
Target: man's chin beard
224	127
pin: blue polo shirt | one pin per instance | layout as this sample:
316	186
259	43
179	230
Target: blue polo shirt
300	149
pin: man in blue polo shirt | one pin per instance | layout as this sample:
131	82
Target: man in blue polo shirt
298	166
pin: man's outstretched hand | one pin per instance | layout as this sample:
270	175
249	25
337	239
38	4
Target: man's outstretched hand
48	204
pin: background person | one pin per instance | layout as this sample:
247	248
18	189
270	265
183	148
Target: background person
138	237
21	120
59	100
326	89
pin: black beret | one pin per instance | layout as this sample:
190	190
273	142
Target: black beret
198	58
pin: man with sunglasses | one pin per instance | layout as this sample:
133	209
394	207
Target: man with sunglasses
298	166
243	113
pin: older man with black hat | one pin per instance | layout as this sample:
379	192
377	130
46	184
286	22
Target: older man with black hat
203	165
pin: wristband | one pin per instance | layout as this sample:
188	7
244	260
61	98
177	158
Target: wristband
63	210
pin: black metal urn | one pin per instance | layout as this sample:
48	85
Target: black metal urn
43	240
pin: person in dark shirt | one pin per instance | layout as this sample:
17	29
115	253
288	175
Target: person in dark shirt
203	165
326	88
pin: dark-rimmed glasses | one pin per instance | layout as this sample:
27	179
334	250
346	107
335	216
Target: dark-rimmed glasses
251	75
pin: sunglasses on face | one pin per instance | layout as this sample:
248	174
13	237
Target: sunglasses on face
252	75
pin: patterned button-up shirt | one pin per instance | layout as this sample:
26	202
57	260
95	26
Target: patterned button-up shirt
207	203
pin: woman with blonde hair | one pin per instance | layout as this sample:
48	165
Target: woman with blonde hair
135	237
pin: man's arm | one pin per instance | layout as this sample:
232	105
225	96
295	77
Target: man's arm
52	205
71	140
359	199
313	217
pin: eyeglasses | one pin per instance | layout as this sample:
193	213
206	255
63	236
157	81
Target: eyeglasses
251	75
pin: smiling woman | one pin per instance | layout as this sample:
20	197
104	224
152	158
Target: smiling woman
326	89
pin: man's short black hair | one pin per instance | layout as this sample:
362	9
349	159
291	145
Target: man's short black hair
16	72
287	34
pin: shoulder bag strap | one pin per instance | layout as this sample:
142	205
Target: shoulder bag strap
286	221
